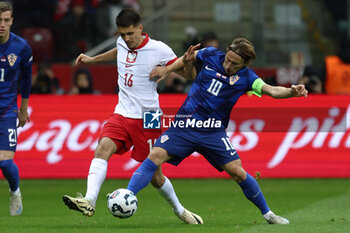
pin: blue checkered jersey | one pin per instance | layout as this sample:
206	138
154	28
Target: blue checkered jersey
15	62
214	93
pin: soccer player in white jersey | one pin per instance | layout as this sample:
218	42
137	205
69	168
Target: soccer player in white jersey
137	55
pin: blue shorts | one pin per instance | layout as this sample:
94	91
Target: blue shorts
8	133
214	145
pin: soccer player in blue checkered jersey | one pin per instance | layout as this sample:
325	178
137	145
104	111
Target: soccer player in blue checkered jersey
224	77
15	61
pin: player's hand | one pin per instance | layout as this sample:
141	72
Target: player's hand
299	90
83	59
158	74
190	55
23	117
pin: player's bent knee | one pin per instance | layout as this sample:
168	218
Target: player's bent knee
105	149
158	155
235	170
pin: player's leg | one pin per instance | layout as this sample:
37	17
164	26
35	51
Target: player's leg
252	191
98	168
166	190
10	172
113	139
8	143
167	144
97	175
144	173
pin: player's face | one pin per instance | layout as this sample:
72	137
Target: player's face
232	63
6	21
131	35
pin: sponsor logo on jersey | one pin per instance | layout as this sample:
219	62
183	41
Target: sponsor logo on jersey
208	68
152	119
234	79
3	59
131	57
12	58
164	138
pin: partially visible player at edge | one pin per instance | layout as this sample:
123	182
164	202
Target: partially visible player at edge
224	77
15	60
136	55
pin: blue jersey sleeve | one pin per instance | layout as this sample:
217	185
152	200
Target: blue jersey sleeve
26	71
252	76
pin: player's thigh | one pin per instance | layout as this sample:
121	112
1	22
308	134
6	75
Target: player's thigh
143	141
178	144
6	155
216	147
114	138
105	148
8	138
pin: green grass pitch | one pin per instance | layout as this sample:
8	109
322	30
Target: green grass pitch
311	205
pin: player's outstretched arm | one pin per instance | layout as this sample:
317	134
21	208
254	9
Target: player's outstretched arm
189	58
188	72
284	92
108	56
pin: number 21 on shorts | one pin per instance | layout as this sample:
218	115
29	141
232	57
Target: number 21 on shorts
12	137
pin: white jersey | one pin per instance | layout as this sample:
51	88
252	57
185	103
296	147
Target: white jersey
136	92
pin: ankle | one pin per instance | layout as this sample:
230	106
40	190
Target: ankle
17	192
267	215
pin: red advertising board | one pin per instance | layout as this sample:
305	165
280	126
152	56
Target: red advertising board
298	137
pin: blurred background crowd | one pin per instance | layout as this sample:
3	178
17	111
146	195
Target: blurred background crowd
294	43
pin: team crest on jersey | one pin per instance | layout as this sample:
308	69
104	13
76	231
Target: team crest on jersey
131	58
234	79
12	58
164	138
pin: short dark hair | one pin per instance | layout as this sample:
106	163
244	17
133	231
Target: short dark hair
128	17
5	6
244	48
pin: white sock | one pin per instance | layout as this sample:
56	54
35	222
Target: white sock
267	215
95	179
168	192
17	192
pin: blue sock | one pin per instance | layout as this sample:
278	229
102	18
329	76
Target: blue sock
142	176
252	191
10	172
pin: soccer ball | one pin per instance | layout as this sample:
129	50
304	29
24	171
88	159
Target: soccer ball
122	203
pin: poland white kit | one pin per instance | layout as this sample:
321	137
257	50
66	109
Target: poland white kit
136	92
